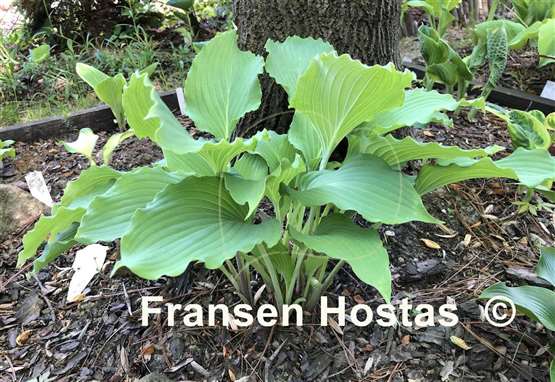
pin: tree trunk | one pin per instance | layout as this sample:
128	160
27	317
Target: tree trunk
368	30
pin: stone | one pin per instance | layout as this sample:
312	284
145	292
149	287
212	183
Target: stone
17	210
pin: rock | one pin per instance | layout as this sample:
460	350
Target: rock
17	210
155	377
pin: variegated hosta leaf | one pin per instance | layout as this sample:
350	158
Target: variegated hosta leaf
211	158
530	167
246	181
288	60
108	89
84	144
194	220
338	93
395	151
222	85
537	303
109	215
420	107
48	227
77	197
338	237
546	42
367	185
546	266
527	131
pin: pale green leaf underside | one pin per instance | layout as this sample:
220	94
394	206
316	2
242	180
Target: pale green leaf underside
367	185
338	237
92	76
420	107
530	167
546	266
395	151
194	220
288	60
222	85
109	215
337	94
537	303
84	144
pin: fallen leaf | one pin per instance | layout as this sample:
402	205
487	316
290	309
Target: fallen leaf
23	337
359	299
405	340
431	244
428	133
147	351
460	343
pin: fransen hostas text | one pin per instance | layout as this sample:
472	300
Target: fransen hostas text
243	315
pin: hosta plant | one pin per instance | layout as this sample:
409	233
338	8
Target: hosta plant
540	34
201	203
530	11
535	302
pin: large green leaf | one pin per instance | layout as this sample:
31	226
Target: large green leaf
546	266
149	117
275	149
338	237
288	60
367	185
338	93
420	107
194	220
304	136
93	181
537	303
212	158
529	167
246	181
395	151
108	89
109	215
48	227
546	42
56	246
222	85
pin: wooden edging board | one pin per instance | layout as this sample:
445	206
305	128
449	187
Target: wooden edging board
100	118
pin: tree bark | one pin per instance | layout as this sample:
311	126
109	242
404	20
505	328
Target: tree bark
368	30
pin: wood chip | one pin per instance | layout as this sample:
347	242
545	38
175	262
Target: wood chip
431	244
23	337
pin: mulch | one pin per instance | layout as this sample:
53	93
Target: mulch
101	337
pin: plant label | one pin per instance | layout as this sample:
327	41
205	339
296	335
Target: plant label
549	90
181	100
37	187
